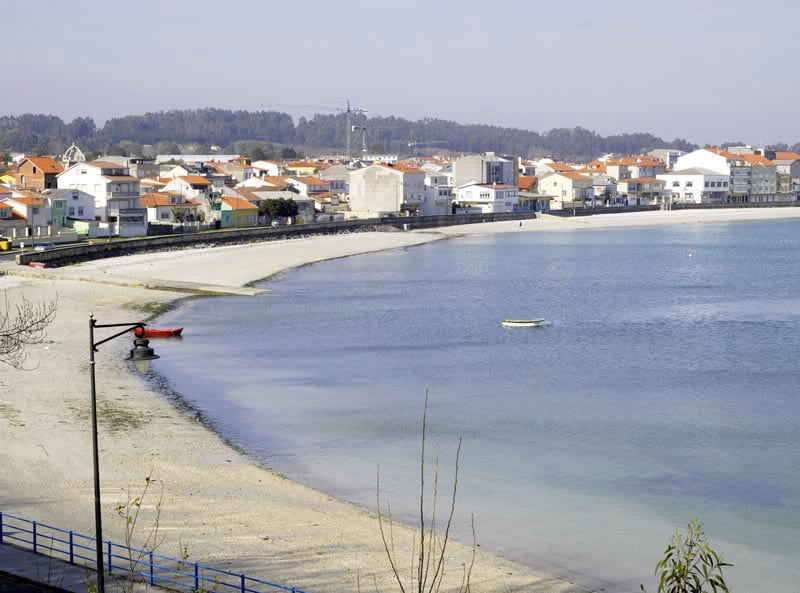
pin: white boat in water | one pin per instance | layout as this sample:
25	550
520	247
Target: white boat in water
523	322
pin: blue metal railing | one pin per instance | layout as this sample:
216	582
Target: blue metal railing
143	565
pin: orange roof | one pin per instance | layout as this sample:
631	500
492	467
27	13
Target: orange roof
757	159
574	175
787	156
724	153
46	164
594	167
526	181
154	199
560	167
403	168
643	160
311	180
302	165
104	165
239	203
195	180
27	200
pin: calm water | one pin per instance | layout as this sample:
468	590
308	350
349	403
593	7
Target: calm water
666	388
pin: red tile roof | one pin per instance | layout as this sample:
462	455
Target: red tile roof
239	203
46	164
195	180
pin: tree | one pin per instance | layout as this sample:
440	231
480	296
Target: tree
22	326
430	550
690	565
277	208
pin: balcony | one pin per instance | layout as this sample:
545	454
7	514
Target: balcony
119	195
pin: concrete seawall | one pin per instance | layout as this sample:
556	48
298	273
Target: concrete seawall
102	248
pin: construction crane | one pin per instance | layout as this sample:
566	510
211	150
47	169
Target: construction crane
348	110
417	143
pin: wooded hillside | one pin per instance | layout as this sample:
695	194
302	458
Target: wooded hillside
267	132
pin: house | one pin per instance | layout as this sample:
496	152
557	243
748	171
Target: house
695	186
113	188
551	166
604	188
668	155
78	205
6	212
306	207
38	173
386	189
488	198
635	167
337	177
484	168
269	168
788	170
569	189
751	177
31	214
530	200
198	189
302	168
168	208
137	166
439	194
237	213
236	170
308	186
641	191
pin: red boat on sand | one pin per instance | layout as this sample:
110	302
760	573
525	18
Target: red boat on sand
152	332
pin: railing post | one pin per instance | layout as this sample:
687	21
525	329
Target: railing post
110	557
196	576
34	537
152	573
71	548
243	584
1	527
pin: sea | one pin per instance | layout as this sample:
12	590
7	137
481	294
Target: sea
664	387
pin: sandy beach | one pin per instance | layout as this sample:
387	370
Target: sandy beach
231	512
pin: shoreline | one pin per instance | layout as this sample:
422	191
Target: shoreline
233	513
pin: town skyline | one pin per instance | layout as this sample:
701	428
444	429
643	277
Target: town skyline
708	74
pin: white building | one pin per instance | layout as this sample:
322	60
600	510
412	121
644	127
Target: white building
439	194
695	186
751	178
113	188
384	189
489	198
79	204
484	168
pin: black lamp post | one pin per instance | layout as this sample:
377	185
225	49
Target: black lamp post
141	354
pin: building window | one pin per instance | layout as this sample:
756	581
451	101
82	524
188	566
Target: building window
689	184
676	184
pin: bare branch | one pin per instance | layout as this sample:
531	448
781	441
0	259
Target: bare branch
21	327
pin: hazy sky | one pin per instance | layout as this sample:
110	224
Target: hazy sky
708	71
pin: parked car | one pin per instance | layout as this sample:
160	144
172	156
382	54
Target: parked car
44	246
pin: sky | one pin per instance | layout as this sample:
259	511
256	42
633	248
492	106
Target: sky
707	71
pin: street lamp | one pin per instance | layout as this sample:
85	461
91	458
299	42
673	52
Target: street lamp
141	354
